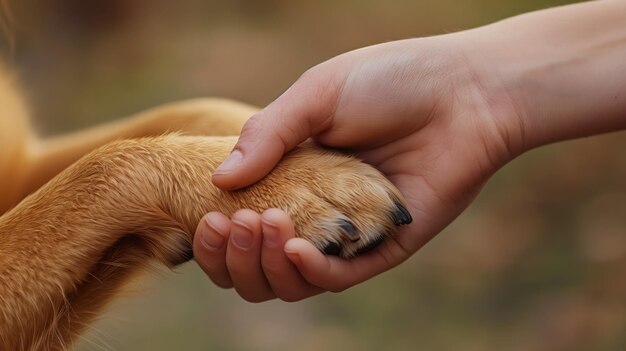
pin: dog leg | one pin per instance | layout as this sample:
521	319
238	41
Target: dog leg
46	158
67	248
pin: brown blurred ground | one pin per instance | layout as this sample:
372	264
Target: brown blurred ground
537	263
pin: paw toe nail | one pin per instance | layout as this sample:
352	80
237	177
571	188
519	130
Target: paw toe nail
401	215
371	245
349	229
332	249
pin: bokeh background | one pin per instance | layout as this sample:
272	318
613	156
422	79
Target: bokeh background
538	262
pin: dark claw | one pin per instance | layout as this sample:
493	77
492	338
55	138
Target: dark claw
371	245
350	230
332	249
402	215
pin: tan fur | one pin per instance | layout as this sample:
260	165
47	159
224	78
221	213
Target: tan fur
95	218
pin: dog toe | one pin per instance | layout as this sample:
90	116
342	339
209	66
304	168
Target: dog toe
371	245
350	231
332	249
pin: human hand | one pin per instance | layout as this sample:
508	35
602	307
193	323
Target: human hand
437	116
414	109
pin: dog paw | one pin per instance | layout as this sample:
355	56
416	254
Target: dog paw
340	204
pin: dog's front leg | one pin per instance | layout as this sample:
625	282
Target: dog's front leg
208	116
67	248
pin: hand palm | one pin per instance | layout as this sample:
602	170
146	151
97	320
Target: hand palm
435	149
399	107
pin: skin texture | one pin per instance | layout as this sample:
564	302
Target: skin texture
68	247
438	116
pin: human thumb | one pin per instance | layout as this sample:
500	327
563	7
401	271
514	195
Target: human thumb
304	110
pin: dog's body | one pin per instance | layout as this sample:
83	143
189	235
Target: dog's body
93	218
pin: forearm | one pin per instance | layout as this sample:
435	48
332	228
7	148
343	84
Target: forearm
564	69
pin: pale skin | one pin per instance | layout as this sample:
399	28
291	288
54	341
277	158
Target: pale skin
438	116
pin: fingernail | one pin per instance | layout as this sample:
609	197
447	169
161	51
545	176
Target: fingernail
294	257
241	236
231	163
292	253
210	237
270	235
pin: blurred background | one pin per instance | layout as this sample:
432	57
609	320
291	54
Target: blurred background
536	263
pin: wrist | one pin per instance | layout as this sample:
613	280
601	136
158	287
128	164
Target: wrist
563	69
490	89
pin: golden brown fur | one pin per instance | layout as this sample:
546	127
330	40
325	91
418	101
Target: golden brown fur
94	218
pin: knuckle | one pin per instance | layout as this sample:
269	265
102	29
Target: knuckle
310	74
253	125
